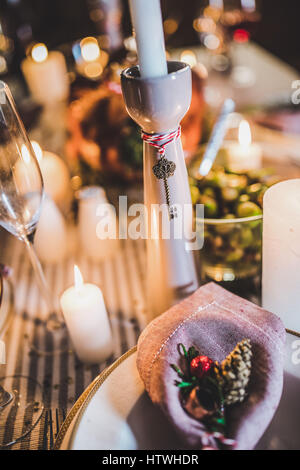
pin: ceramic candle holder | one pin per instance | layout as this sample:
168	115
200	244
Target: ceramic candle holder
158	105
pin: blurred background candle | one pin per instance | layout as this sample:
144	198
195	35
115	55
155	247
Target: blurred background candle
50	240
87	321
243	155
90	214
46	75
55	175
147	24
25	170
90	59
281	252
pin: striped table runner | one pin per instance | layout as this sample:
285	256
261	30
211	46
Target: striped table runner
63	377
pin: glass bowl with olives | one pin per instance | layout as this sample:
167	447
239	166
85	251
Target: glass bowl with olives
232	220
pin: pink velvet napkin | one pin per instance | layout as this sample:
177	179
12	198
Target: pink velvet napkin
213	320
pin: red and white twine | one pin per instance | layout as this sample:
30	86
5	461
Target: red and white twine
206	439
160	141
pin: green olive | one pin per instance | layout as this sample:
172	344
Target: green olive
217	179
210	206
209	192
234	256
244	198
254	189
248	209
230	194
195	194
246	237
237	181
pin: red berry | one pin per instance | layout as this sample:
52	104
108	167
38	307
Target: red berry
200	365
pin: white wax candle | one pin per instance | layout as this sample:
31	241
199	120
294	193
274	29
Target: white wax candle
54	171
147	23
87	321
243	155
46	75
94	207
50	240
55	174
281	252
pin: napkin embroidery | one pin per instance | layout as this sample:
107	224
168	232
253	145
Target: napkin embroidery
199	309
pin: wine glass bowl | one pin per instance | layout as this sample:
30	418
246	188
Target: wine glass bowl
21	182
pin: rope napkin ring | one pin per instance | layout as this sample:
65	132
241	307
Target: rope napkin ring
164	168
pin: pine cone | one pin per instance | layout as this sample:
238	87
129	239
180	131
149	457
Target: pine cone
234	372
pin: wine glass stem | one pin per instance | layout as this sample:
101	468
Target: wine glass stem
40	277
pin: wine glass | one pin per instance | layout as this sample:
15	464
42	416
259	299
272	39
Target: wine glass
21	196
222	23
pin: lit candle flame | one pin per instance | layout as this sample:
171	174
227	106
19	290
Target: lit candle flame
39	52
37	150
78	280
90	50
244	133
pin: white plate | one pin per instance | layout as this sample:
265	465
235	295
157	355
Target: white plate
114	413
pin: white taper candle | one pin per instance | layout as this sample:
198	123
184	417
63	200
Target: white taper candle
147	23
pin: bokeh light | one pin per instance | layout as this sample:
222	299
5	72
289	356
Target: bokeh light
39	52
90	49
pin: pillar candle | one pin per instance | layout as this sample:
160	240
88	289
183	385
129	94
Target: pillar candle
243	155
46	75
87	321
147	23
50	240
91	200
281	252
55	174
